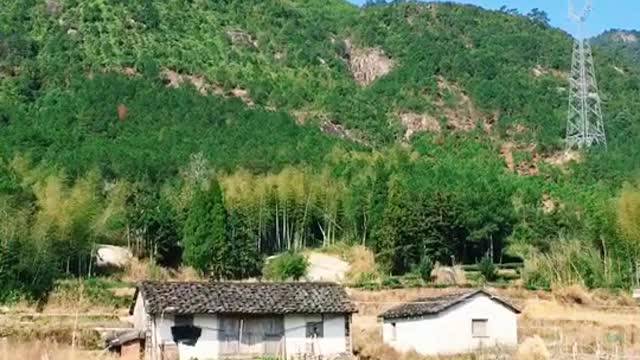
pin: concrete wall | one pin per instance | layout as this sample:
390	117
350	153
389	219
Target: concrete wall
450	331
333	342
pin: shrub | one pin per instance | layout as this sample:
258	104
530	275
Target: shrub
573	294
391	282
424	268
444	275
412	280
533	348
367	280
287	266
488	269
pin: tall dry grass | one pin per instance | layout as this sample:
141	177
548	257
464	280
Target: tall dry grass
143	270
362	261
446	275
43	350
533	348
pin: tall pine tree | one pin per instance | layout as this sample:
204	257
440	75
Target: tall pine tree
394	226
206	246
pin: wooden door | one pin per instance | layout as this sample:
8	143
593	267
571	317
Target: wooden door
253	336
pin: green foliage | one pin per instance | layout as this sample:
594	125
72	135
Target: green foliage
412	280
488	269
25	270
97	291
287	266
391	282
151	215
425	268
206	246
625	43
244	260
260	79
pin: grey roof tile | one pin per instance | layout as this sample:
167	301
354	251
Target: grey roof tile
435	305
244	298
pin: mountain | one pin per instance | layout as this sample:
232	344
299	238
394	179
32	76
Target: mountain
624	42
418	129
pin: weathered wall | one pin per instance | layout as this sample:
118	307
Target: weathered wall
450	331
207	345
333	342
296	343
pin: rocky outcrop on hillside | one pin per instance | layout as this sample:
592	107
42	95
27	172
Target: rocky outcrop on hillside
367	64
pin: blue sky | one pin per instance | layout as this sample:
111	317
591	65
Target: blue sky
607	14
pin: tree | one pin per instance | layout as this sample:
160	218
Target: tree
372	3
244	259
488	269
629	216
506	10
153	216
287	266
539	16
206	247
393	241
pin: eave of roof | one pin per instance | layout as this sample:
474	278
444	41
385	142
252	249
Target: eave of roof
242	298
436	305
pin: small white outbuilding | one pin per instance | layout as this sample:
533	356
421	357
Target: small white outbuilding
451	324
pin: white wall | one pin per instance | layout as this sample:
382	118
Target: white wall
140	317
207	346
450	331
333	342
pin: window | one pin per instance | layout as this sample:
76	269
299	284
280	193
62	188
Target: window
394	332
315	329
479	328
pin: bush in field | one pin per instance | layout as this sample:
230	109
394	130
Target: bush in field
425	268
533	348
287	266
488	269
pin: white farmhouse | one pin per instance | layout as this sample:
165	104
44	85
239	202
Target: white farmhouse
451	324
220	320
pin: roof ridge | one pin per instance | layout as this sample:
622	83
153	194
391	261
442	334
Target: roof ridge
436	304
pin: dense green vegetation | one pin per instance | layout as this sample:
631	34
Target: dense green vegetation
100	142
625	43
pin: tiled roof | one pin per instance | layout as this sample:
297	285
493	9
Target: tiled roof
244	298
435	305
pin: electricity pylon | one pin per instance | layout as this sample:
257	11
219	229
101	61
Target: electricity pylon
585	124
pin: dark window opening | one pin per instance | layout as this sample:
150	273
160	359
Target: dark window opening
183	330
315	330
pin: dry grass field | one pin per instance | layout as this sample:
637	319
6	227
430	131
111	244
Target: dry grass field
37	350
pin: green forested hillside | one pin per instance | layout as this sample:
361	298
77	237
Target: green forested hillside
622	42
423	131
